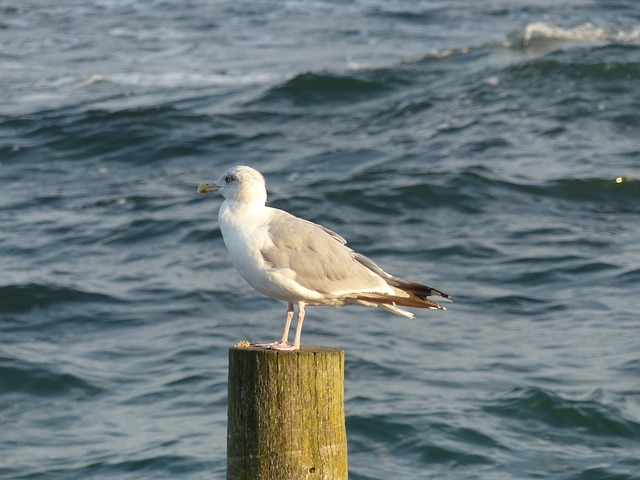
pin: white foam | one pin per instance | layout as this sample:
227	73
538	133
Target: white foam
539	33
544	31
170	79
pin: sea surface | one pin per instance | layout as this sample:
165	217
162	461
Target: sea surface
490	149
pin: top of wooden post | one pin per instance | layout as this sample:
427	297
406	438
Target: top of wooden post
304	350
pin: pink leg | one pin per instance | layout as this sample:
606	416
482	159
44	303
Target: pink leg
296	343
287	325
285	335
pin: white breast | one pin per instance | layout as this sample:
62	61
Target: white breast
245	232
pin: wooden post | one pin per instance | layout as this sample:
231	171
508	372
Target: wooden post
286	414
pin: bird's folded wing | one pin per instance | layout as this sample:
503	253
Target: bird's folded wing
319	257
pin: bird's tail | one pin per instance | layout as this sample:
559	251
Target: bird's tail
411	300
407	294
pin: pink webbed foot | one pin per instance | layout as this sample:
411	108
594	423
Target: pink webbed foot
285	347
279	346
268	345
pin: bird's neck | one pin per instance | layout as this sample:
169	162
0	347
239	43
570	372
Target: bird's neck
236	213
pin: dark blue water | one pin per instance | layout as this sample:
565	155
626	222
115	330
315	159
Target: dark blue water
489	149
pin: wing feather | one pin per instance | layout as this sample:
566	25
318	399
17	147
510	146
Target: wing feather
318	256
321	261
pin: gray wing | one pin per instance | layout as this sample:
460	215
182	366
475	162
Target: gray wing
319	257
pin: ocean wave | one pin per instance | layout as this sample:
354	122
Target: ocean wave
534	38
29	296
100	465
147	231
177	79
602	66
442	445
541	34
541	409
78	133
320	88
631	276
173	130
474	188
618	194
43	380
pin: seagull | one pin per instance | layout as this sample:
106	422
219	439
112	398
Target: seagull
300	262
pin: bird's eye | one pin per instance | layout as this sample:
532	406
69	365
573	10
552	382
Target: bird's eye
228	179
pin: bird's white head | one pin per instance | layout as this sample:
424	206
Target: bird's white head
242	185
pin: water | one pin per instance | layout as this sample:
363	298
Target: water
489	149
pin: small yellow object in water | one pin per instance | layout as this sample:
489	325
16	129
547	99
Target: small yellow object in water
243	344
